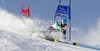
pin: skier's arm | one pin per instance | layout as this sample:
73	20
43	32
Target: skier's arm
58	26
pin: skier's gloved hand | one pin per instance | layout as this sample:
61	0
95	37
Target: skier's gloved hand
50	29
64	31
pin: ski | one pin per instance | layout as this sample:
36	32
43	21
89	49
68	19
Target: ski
70	43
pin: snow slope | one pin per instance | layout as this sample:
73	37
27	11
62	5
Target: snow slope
10	41
15	36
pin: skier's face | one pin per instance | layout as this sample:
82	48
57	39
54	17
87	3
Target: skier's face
64	25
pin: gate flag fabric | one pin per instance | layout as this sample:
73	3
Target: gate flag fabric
63	11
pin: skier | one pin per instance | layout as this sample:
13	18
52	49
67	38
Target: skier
59	26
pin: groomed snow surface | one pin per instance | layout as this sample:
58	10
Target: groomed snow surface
10	41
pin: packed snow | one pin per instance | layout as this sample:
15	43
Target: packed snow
10	41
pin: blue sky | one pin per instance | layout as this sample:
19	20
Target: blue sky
84	12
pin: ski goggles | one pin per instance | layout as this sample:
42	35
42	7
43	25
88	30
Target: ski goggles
64	24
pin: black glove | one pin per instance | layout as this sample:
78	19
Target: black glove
64	31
